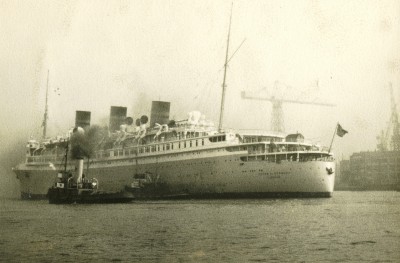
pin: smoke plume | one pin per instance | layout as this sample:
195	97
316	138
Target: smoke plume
84	144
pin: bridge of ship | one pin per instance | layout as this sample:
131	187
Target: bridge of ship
274	148
284	151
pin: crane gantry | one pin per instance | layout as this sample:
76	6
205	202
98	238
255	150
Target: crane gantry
277	119
389	140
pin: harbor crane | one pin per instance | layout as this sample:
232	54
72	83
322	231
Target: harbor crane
277	120
389	140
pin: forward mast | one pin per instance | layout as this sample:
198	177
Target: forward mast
221	114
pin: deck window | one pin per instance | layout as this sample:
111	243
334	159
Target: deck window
217	138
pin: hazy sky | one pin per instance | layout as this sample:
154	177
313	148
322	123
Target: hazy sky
128	53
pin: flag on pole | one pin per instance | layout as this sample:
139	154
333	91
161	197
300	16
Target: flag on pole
340	131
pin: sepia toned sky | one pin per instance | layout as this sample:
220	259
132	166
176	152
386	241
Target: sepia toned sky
128	53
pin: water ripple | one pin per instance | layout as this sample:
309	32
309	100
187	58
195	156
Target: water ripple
350	227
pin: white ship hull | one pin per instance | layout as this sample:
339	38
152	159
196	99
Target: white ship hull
196	173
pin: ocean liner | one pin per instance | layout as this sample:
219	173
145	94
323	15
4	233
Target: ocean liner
186	158
163	158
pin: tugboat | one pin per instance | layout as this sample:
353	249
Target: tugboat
67	190
146	186
79	189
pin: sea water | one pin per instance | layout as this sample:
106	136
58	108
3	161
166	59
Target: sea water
349	227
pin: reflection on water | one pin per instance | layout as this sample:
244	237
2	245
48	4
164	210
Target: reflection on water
351	226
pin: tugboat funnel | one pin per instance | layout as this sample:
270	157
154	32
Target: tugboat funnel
79	171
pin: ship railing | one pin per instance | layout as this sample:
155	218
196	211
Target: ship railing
196	142
43	159
258	132
154	148
278	157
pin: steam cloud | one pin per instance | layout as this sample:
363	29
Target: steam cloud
84	144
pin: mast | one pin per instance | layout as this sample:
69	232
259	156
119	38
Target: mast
66	157
44	124
221	114
333	137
